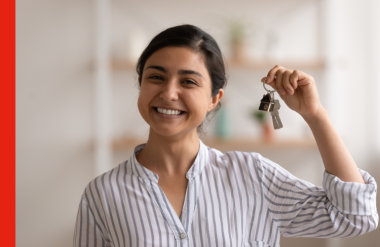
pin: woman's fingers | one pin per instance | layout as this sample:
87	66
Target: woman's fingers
286	82
279	81
303	78
272	73
294	79
272	84
275	75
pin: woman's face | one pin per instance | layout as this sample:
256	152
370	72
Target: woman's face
175	92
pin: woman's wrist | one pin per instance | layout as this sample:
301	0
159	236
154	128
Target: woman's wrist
318	116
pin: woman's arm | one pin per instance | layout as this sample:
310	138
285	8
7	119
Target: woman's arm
336	158
299	92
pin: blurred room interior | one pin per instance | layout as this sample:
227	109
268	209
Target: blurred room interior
76	92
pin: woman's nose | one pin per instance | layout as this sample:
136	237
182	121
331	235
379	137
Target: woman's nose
170	91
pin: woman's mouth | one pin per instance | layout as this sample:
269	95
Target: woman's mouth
168	112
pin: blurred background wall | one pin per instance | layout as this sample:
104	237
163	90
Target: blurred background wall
64	88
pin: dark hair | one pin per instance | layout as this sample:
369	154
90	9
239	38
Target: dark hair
197	40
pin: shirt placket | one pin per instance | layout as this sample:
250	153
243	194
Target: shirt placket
180	227
168	212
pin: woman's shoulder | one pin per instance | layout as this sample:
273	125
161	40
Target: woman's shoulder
250	159
232	157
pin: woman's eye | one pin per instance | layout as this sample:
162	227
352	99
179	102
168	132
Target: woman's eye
156	77
189	82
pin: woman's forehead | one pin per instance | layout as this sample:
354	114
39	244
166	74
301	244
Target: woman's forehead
177	58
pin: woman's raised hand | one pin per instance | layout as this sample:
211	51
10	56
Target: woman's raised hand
296	88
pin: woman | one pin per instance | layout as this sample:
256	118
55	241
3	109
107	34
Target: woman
175	191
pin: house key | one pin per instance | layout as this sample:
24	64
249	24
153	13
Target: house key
269	104
277	124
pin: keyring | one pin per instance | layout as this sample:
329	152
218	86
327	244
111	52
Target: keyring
269	91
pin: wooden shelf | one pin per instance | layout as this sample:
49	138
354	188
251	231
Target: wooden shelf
241	144
315	64
123	65
238	144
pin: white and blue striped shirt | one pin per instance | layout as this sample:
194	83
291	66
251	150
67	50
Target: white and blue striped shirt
232	199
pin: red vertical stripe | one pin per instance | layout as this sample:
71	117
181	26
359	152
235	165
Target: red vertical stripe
7	111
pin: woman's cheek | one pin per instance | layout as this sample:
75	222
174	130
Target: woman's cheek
200	105
143	106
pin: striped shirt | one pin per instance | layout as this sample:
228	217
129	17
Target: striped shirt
232	199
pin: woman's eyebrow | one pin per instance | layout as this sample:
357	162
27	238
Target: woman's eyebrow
160	68
181	72
189	72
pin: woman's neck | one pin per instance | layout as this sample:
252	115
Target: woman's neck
169	156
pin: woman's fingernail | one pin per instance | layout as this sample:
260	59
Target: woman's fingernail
290	91
282	92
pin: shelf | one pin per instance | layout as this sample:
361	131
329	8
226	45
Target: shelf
123	65
238	144
315	64
246	144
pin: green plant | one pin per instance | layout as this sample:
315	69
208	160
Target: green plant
237	30
260	116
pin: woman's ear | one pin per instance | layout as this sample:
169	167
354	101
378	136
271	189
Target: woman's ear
215	100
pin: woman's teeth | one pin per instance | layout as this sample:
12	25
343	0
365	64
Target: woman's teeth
168	112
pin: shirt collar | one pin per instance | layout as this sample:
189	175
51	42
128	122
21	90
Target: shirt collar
196	168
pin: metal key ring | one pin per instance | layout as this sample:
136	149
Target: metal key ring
269	91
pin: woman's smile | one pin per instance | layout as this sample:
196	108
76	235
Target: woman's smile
168	113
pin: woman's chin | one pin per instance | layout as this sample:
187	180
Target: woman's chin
170	132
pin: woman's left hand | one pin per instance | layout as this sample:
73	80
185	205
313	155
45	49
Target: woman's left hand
296	88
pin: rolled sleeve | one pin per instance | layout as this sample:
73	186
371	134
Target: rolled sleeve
350	197
301	209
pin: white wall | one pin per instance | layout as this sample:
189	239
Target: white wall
53	118
360	38
363	56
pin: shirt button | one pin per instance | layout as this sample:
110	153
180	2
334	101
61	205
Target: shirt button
183	235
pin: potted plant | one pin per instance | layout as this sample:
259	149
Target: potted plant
266	126
237	32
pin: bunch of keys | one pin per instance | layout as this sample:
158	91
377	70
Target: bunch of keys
269	104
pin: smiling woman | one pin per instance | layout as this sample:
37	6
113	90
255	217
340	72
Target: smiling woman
175	79
175	191
196	49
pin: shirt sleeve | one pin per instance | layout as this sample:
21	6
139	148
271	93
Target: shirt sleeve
301	209
87	231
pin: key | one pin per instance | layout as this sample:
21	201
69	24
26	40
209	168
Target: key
266	103
277	124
